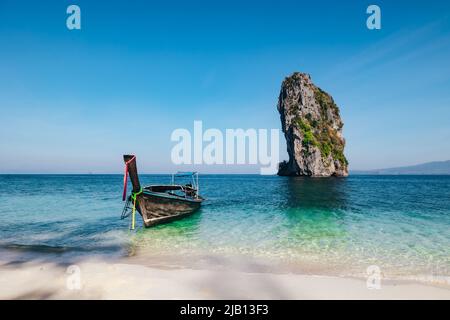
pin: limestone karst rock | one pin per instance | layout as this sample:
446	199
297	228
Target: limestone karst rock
312	127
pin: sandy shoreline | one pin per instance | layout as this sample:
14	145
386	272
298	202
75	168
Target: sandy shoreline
97	279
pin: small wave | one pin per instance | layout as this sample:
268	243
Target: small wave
42	248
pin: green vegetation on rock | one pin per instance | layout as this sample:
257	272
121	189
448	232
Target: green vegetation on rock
326	102
307	133
320	134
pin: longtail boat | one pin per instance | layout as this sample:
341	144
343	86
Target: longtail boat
159	203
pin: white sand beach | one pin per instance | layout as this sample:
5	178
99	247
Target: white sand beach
116	280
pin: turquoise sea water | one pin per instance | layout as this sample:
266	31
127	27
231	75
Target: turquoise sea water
327	225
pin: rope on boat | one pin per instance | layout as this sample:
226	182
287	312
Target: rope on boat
125	212
133	213
133	196
125	178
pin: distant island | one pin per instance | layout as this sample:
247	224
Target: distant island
431	168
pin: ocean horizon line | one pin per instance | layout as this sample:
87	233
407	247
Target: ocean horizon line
215	174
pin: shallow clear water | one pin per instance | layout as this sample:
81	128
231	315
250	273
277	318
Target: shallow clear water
337	226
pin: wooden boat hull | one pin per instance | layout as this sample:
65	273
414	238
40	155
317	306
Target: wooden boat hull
156	208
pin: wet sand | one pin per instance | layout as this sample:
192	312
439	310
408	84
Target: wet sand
100	279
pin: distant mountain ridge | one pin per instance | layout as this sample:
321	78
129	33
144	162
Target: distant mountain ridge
431	168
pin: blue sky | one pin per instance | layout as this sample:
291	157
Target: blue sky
75	101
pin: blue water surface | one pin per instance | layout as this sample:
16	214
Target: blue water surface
400	223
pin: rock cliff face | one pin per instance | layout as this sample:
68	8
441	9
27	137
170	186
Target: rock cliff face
313	129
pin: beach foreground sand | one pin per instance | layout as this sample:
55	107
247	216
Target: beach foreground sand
112	280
